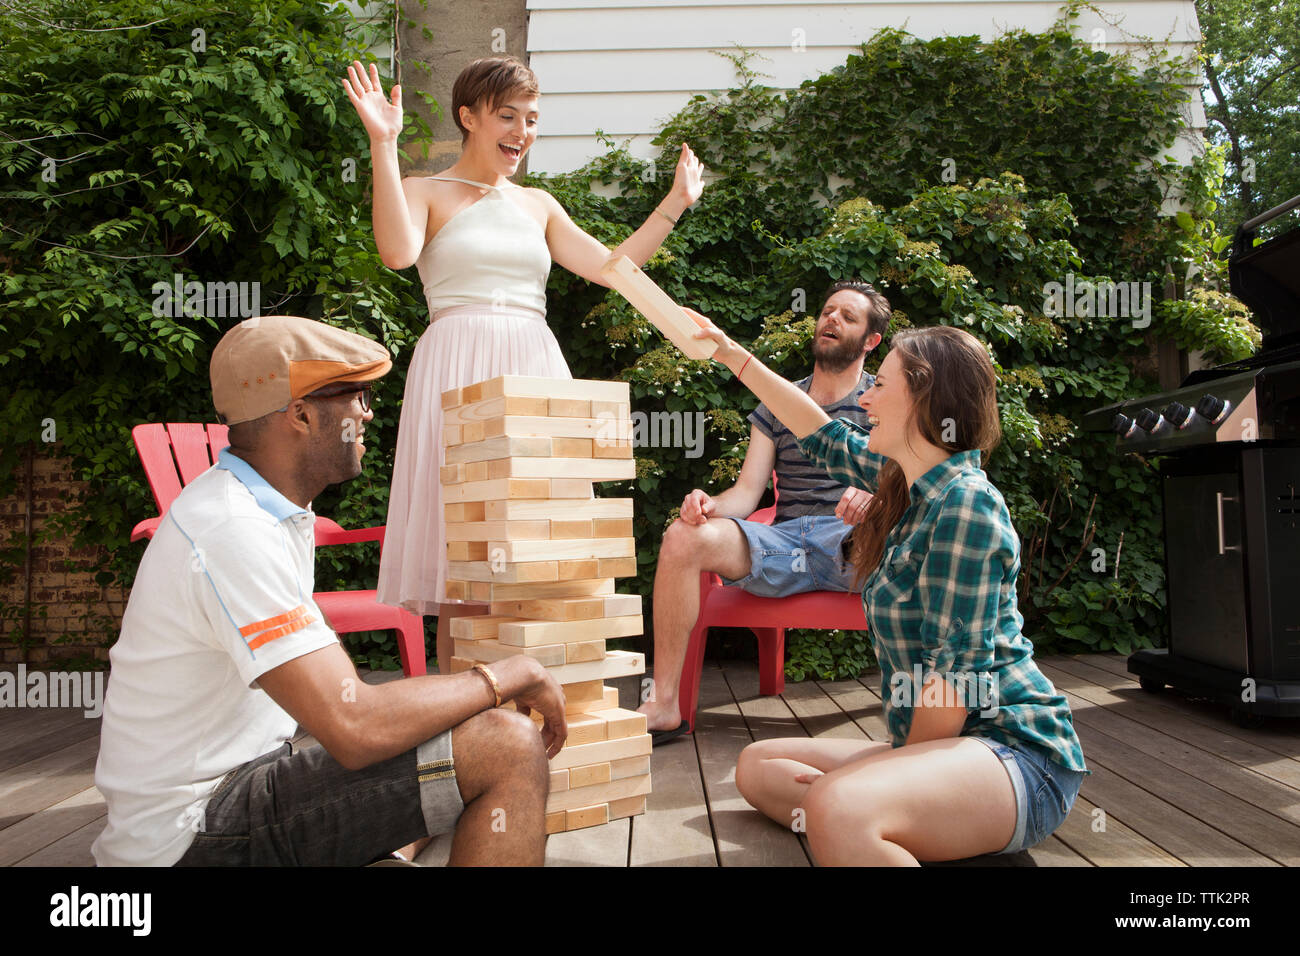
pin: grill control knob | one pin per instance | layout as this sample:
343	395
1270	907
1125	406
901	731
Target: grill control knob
1123	425
1178	414
1213	410
1148	420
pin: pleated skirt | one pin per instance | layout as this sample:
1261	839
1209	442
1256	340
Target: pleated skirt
463	345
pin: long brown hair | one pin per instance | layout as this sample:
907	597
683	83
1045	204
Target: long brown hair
953	387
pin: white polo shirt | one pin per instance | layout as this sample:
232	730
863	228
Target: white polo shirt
223	595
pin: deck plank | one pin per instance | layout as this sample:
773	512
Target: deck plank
1270	795
1276	734
819	715
859	704
768	718
1115	845
40	830
1210	739
1232	831
675	829
40	740
604	845
744	836
71	850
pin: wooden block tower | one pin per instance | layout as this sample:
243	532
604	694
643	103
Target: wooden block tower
525	535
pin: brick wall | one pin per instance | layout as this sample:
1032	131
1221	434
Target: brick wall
71	615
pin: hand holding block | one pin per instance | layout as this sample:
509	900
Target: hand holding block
663	313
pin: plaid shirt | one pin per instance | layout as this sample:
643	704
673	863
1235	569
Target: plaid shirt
943	599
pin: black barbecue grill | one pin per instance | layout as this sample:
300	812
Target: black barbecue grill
1230	481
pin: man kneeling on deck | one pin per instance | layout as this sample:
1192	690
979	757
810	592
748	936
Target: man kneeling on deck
223	652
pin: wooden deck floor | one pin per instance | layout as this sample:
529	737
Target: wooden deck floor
1174	783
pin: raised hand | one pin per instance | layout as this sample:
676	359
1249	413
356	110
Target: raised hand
382	119
688	180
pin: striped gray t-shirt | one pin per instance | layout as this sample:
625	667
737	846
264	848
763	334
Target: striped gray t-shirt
805	489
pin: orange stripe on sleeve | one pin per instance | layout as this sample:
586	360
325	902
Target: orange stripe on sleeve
297	612
267	637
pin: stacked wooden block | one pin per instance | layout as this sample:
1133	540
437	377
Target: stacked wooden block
526	535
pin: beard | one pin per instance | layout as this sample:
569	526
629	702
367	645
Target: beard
837	355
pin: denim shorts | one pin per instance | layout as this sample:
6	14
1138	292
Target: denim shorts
303	808
1045	792
802	554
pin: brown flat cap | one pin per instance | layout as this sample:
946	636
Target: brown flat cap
264	363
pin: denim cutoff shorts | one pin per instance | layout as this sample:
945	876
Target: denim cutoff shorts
1045	792
802	554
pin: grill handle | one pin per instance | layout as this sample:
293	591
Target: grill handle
1219	500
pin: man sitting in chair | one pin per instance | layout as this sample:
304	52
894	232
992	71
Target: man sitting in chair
224	652
806	546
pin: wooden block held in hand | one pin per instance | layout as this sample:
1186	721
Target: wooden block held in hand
625	277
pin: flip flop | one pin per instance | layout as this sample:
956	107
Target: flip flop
658	737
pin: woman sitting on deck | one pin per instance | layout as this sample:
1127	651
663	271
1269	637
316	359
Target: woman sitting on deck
983	757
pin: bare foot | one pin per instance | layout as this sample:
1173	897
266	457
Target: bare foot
659	717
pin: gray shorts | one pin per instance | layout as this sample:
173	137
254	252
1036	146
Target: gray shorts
303	808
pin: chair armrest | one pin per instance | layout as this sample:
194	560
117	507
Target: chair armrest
763	515
145	529
328	532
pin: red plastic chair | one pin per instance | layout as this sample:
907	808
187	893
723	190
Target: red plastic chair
768	618
176	453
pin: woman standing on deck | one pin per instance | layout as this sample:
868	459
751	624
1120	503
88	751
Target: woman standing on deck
983	757
484	248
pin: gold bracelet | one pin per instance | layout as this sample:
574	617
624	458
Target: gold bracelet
491	679
665	215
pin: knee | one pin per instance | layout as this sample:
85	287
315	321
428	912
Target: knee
510	742
679	544
749	769
830	812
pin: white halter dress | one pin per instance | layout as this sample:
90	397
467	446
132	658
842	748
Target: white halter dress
484	277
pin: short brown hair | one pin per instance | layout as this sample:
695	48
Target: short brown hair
491	80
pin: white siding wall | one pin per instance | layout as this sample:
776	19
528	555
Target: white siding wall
625	67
